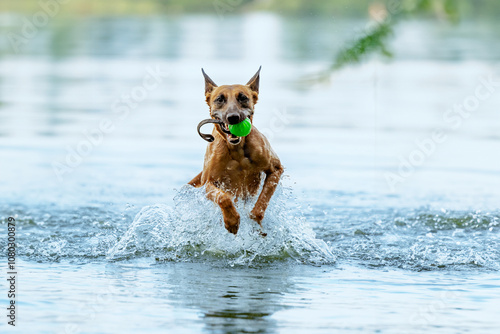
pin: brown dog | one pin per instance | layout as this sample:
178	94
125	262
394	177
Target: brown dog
234	166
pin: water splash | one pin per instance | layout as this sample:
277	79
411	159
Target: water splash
193	229
419	239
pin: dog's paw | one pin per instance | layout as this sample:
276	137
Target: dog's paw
257	215
232	227
232	223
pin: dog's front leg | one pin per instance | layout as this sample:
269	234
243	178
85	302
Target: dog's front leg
225	202
196	181
270	184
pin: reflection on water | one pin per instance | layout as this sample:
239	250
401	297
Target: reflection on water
194	298
233	301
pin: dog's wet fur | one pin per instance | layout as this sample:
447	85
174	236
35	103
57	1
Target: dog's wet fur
234	166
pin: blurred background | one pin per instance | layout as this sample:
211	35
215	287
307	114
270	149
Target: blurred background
384	113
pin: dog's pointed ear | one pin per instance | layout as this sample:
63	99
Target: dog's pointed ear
254	82
209	83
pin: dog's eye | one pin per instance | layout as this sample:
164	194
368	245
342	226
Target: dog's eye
220	99
242	98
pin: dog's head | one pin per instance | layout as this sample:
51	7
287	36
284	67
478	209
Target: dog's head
231	104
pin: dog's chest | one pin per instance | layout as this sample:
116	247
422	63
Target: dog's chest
240	164
237	171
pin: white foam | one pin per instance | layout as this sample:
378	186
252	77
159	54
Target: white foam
193	229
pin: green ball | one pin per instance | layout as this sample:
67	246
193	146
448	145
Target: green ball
241	129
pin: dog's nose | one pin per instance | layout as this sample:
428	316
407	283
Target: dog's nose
233	119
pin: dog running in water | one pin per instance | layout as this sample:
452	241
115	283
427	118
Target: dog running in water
234	166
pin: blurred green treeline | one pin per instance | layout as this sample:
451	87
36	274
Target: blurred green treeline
336	8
